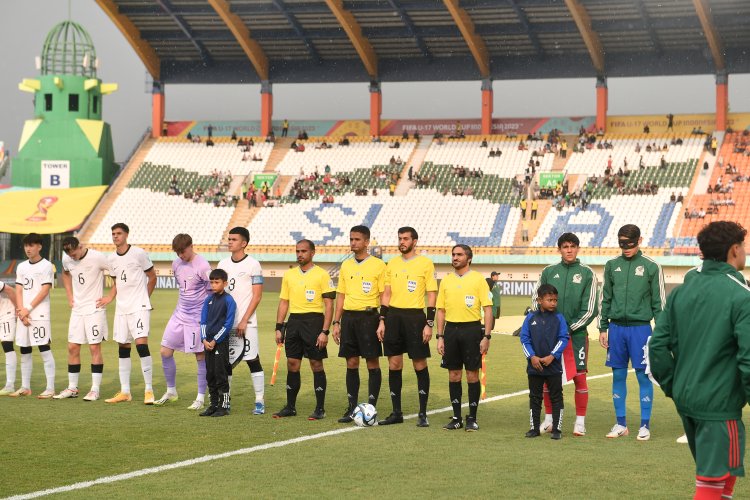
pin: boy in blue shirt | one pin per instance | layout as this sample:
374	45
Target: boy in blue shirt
544	335
217	318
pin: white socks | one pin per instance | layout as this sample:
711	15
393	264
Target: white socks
125	366
146	365
49	369
11	361
259	380
26	371
96	381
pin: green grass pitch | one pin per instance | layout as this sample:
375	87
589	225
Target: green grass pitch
47	444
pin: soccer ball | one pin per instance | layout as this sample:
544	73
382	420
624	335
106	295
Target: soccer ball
365	415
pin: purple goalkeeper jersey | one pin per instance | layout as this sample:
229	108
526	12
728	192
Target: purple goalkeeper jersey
194	285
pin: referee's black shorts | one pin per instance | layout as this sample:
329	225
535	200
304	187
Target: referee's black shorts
359	334
462	346
302	331
403	333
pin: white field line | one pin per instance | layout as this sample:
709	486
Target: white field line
242	451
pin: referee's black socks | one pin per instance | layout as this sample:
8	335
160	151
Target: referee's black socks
375	380
455	392
352	387
320	382
475	390
395	383
423	386
293	382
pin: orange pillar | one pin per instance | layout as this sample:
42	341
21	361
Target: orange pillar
487	106
158	105
266	108
376	107
601	103
722	101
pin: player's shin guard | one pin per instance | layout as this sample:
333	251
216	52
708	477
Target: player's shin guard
728	492
619	393
293	383
11	361
395	382
96	376
423	386
352	387
647	396
455	391
374	382
259	379
49	366
147	365
582	394
202	384
708	490
26	367
74	372
547	401
169	366
475	390
320	382
125	366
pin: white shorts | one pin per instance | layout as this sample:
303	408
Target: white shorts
8	329
88	329
39	332
251	339
129	327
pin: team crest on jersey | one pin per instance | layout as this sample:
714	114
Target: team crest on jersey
469	300
411	285
310	295
366	286
639	271
577	278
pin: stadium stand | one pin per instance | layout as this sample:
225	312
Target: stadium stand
361	153
224	155
360	180
443	220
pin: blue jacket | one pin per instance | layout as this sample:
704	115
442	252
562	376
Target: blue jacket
217	317
542	334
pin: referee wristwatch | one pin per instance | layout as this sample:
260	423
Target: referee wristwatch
325	332
488	337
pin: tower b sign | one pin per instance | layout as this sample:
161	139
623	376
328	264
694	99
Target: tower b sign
55	174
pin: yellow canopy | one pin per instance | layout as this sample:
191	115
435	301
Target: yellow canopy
47	211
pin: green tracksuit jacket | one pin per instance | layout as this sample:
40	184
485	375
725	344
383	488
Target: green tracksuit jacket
577	288
633	291
700	350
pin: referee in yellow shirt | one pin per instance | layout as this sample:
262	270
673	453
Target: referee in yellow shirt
357	326
407	278
307	293
462	302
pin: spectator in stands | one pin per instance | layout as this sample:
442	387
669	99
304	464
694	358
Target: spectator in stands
416	136
670	122
285	128
522	205
197	139
484	143
209	142
525	230
714	145
662	162
234	135
404	135
210	131
189	136
410	173
679	198
646	128
534	207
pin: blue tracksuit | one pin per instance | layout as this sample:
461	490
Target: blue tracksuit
542	334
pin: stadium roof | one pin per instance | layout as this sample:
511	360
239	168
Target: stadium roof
285	41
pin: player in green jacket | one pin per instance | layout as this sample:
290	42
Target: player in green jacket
632	295
577	301
700	355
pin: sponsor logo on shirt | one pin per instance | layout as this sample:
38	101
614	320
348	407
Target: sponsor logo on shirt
617	270
556	276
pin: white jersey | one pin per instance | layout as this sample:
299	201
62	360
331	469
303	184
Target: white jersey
242	276
87	276
7	310
31	277
129	272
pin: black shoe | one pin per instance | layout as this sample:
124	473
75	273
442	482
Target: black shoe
533	433
471	424
287	411
318	414
454	424
422	420
208	411
220	412
347	418
556	435
393	418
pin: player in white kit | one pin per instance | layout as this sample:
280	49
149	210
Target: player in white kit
8	335
33	282
245	285
83	279
133	280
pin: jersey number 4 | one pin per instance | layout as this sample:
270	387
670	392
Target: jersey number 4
123	276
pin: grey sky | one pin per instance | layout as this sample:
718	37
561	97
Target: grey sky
26	23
